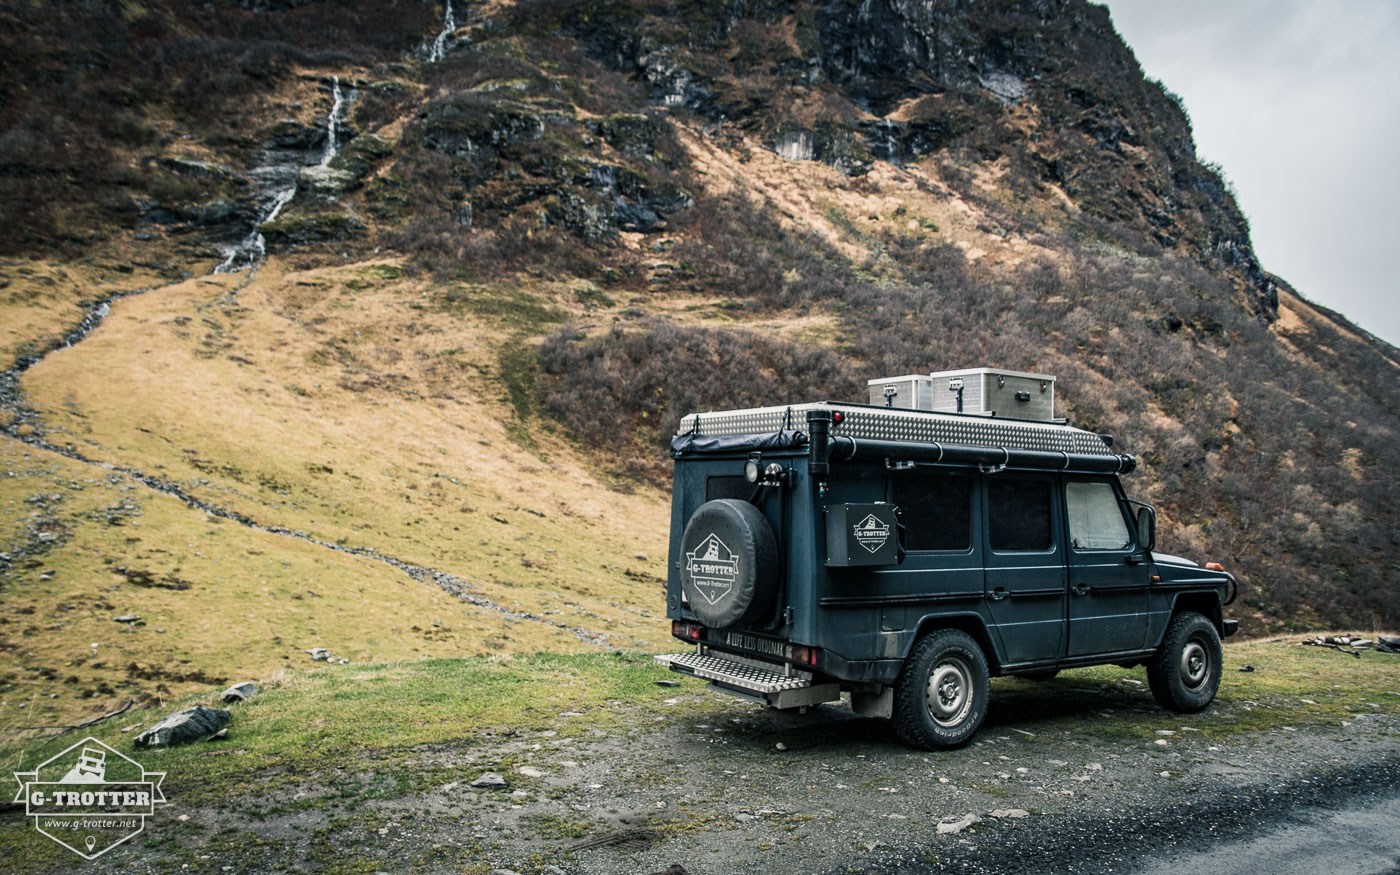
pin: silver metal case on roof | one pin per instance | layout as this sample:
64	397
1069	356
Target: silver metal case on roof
982	391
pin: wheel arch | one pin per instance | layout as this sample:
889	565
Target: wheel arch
1206	604
972	624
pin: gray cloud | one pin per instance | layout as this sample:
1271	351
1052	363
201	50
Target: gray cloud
1299	101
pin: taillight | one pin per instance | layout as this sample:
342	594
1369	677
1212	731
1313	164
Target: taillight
802	655
687	631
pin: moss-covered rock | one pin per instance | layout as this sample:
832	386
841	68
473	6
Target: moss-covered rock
468	126
362	154
316	228
842	149
630	133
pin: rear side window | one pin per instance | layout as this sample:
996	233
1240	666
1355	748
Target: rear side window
1018	514
935	508
1095	519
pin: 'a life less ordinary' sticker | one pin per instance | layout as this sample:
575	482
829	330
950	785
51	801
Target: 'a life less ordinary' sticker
871	533
713	568
89	798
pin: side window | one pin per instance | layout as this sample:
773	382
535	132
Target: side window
1018	514
935	508
1095	519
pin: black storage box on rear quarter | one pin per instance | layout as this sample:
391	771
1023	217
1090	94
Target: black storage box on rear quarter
861	534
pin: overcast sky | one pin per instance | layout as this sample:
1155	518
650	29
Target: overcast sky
1299	101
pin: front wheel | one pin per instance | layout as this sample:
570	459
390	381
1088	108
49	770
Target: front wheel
941	695
1184	673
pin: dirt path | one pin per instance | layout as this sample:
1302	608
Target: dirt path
707	786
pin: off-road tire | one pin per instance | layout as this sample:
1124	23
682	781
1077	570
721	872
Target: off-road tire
941	695
1184	673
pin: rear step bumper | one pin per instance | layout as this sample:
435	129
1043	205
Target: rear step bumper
750	680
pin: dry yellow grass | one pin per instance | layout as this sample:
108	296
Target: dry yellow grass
350	404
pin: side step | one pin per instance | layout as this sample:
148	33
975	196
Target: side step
749	680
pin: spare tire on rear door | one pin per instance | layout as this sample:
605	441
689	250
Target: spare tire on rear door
729	563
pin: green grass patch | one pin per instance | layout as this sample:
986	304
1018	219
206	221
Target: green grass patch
373	721
1291	685
503	306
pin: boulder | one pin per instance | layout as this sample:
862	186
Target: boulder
468	126
196	168
327	181
183	727
238	692
796	145
632	133
361	154
490	781
316	228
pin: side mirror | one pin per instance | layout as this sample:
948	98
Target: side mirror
1147	528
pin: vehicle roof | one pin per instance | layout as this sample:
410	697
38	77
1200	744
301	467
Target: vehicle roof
901	424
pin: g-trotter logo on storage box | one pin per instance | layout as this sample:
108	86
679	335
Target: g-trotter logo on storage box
871	533
713	567
90	798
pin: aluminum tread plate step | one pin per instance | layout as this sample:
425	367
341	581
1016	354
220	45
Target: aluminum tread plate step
734	674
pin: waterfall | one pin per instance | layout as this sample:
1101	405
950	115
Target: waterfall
438	51
332	122
252	249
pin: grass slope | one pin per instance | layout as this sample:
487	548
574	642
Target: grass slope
349	404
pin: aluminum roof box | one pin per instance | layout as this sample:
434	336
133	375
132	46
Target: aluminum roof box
976	391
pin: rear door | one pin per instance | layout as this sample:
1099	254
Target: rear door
1025	564
1108	582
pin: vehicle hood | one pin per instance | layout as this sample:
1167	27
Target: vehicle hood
1173	560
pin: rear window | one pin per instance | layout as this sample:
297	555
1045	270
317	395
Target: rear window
935	508
1018	514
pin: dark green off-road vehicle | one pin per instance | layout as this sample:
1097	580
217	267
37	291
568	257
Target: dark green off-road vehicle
907	550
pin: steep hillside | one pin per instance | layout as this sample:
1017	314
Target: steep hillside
502	259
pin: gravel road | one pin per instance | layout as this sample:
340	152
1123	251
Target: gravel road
719	795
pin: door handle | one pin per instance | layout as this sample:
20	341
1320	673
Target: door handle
997	594
1081	589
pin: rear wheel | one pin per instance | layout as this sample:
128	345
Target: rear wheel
941	695
1184	673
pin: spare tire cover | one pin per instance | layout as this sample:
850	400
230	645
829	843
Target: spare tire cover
729	563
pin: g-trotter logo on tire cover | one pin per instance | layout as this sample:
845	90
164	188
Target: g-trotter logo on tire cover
713	568
871	533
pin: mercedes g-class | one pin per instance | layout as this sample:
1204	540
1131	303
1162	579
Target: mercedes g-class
906	550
